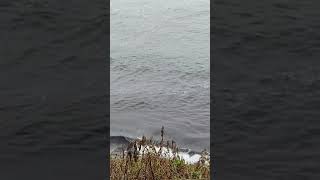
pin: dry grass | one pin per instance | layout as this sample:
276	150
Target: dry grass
141	160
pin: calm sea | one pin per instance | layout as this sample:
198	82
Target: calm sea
160	70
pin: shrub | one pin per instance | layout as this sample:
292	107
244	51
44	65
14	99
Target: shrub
145	159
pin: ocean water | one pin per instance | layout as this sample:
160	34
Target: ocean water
266	89
53	90
160	70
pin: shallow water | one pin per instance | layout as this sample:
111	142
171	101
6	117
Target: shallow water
160	70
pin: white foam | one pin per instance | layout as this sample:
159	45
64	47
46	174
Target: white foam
190	158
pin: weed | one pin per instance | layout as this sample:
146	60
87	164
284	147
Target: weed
146	159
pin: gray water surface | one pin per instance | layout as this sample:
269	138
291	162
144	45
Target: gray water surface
160	74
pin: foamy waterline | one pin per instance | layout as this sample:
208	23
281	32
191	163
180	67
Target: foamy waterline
189	156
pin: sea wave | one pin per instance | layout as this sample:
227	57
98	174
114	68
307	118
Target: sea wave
118	144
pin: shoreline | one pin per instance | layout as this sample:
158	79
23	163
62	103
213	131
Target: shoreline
147	158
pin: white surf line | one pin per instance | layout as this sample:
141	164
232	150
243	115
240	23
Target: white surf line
189	158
